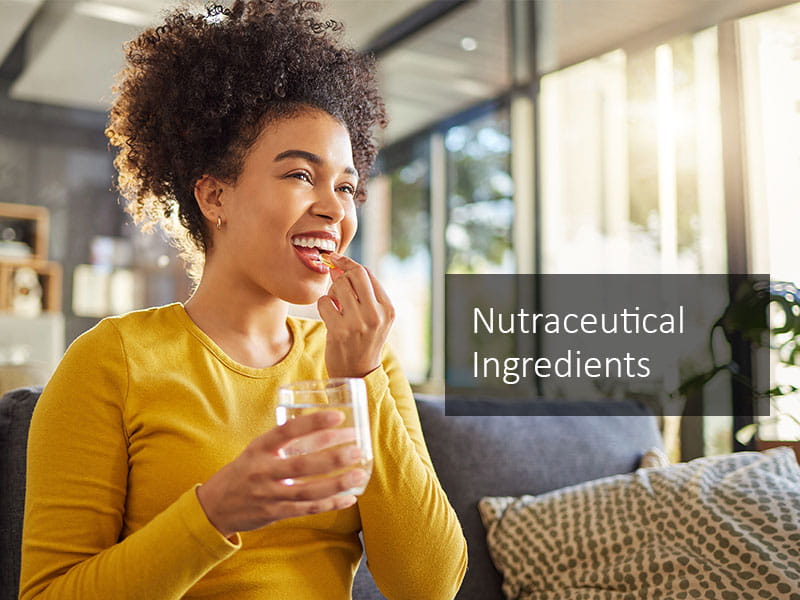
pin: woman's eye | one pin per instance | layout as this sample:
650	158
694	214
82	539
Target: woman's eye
348	189
302	176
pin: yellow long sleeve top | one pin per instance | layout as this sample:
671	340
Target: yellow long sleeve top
145	407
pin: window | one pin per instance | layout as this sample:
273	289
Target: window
632	164
629	158
479	199
770	51
398	235
443	200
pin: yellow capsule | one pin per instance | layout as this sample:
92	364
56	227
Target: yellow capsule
325	260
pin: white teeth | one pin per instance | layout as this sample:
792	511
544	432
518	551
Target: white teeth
322	244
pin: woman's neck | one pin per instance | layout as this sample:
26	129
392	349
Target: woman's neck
252	332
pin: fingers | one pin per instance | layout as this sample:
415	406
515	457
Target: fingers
327	308
335	272
307	446
322	462
278	437
312	507
354	285
315	474
358	316
260	487
320	440
364	283
303	484
321	489
344	294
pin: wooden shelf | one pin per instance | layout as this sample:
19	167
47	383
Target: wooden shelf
33	223
49	274
31	227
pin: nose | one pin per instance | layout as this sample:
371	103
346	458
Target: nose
329	205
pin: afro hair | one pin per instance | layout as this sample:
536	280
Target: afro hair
197	91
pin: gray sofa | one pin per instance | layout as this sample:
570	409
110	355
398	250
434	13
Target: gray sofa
477	456
474	456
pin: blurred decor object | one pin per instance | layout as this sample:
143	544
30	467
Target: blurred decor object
99	291
29	283
90	291
767	315
124	291
10	247
24	231
26	293
13	294
114	252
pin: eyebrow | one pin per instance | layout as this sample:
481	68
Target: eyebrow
310	157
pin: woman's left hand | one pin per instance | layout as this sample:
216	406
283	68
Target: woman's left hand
358	315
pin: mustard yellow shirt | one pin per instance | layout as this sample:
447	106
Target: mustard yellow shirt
145	407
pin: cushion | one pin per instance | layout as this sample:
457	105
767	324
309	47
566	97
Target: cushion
724	527
476	456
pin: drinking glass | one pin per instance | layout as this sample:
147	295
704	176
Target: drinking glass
348	396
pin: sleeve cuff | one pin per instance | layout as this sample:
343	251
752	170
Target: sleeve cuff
210	539
377	382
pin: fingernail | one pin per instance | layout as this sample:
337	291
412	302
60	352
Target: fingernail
331	417
357	477
354	454
334	255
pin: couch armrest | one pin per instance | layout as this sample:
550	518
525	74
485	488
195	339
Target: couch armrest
16	408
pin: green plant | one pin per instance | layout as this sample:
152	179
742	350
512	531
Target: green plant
767	315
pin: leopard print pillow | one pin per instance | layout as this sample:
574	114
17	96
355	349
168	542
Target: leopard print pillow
725	527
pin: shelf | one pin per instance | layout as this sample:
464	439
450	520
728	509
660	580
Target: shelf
29	283
49	277
30	226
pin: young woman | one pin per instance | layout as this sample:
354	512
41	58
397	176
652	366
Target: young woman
153	463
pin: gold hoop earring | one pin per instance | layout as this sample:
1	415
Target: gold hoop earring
219	223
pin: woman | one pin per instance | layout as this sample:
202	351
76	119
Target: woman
153	453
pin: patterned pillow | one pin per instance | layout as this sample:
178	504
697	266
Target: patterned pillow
725	527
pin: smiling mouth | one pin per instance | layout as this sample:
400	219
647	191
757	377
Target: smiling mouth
314	252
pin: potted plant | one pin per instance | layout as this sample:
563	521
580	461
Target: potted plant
765	314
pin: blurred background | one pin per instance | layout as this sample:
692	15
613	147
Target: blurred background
546	136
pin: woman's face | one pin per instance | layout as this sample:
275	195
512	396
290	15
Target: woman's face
293	199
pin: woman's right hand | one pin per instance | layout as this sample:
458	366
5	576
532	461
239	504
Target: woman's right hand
252	490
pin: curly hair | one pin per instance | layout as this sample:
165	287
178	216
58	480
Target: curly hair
197	91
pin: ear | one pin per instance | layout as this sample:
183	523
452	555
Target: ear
208	194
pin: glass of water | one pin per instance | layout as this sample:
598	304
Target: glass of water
346	395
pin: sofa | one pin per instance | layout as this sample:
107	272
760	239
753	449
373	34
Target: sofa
474	456
511	455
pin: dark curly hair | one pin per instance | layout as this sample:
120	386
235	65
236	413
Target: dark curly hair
197	91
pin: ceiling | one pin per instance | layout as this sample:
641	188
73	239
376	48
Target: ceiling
74	47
